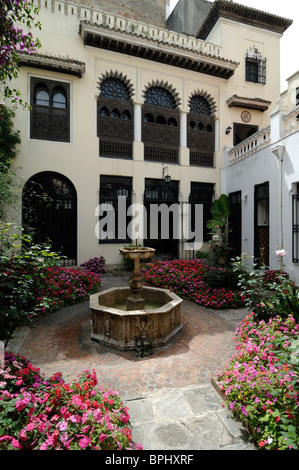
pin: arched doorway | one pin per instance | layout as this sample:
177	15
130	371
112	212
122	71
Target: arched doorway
49	210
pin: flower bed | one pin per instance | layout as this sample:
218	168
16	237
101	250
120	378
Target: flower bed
261	382
48	414
186	279
29	290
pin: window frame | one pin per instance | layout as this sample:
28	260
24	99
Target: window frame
254	58
58	133
118	183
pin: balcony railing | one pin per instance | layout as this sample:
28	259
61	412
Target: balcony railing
249	146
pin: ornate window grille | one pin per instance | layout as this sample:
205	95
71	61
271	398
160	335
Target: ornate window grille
201	131
50	110
160	130
255	67
49	207
115	118
159	96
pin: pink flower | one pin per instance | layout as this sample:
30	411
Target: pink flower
43	446
16	444
30	427
84	442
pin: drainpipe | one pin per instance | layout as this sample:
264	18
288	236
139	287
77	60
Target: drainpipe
278	151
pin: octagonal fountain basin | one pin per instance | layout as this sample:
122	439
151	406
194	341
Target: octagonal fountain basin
112	324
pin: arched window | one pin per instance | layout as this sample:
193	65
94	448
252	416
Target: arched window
41	95
199	105
159	96
201	134
115	88
114	102
160	131
59	98
49	207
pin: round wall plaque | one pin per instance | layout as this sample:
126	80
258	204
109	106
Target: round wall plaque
246	116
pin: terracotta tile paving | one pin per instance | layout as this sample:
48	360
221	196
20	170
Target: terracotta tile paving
61	342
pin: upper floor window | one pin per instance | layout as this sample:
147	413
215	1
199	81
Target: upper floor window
114	103
159	96
201	129
161	123
50	110
255	67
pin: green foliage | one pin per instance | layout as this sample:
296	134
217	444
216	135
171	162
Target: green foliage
220	210
14	40
221	277
21	274
261	381
9	139
266	296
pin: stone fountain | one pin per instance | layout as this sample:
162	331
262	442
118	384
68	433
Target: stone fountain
127	317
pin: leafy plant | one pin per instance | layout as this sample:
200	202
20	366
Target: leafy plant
39	413
9	139
220	210
261	382
265	294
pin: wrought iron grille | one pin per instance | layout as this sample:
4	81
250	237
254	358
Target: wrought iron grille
50	209
116	149
159	96
115	88
255	67
199	105
111	188
157	154
201	159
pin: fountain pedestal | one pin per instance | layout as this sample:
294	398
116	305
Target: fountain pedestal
136	301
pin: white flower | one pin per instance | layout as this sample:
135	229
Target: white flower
281	252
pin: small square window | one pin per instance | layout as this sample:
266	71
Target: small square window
255	67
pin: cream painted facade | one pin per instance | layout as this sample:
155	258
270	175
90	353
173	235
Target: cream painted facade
62	42
270	157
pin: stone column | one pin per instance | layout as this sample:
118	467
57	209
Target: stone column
184	151
138	147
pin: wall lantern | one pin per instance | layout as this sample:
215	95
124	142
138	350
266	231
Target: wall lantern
165	175
228	130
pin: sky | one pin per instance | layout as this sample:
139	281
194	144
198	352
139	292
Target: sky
289	62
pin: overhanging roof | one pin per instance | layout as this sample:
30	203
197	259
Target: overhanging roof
55	64
249	103
123	42
242	14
